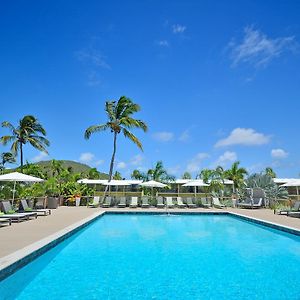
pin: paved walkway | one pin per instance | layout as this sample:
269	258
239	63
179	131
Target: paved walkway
20	235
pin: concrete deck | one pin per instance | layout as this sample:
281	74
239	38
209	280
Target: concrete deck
21	235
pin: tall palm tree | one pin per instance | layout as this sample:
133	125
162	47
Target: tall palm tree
6	157
236	174
29	130
120	120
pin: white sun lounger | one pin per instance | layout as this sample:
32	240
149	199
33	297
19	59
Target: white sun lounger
217	203
169	202
133	202
180	203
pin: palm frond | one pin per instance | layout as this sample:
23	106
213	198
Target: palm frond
37	144
132	137
95	128
133	123
8	125
7	139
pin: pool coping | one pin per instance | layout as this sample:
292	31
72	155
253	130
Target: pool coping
13	262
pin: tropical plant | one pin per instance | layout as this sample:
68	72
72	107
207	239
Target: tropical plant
55	167
206	175
137	174
6	157
33	170
236	174
159	173
269	171
120	119
186	175
29	130
266	182
93	173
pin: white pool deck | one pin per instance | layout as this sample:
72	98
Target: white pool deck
20	239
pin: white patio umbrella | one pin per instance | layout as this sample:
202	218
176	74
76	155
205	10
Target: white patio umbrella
16	176
152	184
195	183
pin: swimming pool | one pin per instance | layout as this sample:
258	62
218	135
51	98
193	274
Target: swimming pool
133	256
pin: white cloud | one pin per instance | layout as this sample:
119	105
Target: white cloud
137	160
279	153
244	136
163	136
195	163
121	165
177	28
92	57
86	157
226	157
258	49
99	162
185	136
40	156
163	43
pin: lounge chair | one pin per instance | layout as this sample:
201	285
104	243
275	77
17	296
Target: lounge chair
216	203
122	202
160	202
203	202
107	202
11	213
190	203
180	203
294	214
294	208
4	220
169	202
95	203
41	212
255	203
133	202
145	202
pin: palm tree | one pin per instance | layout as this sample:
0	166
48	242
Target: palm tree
206	175
137	174
269	171
236	174
159	173
6	157
119	120
29	130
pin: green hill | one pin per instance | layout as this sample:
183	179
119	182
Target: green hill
74	166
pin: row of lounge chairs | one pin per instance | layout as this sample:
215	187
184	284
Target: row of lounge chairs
24	213
161	202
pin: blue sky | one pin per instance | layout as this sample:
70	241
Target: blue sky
217	82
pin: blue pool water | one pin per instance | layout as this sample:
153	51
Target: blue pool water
161	257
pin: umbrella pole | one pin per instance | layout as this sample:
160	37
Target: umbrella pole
297	192
14	190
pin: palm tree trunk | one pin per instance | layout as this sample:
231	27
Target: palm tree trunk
111	168
21	154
